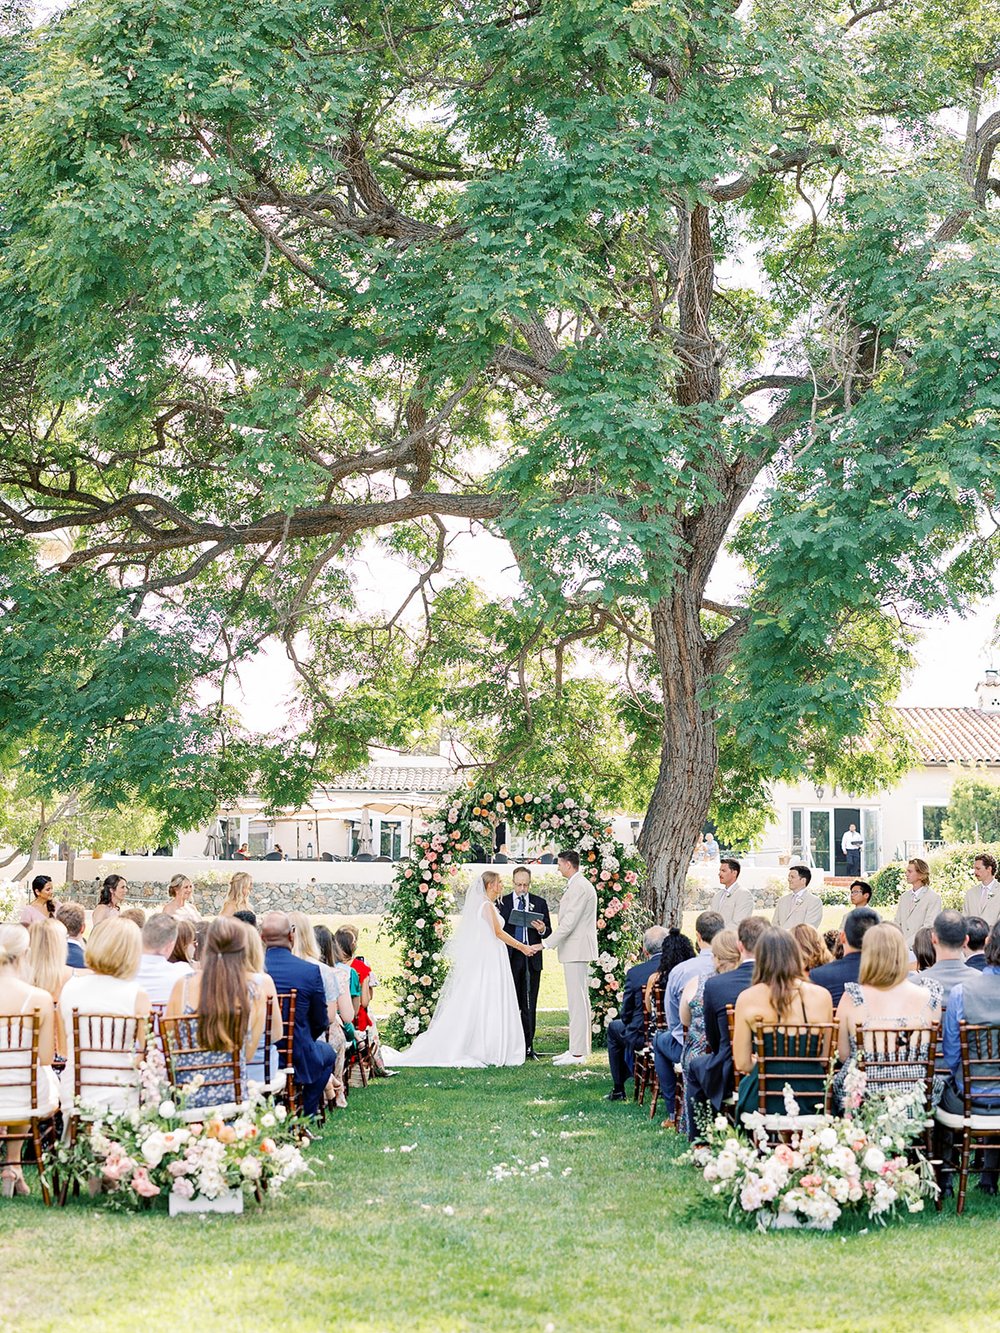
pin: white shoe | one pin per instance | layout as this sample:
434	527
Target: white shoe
567	1059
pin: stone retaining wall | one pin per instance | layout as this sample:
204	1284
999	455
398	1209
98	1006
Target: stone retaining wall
319	899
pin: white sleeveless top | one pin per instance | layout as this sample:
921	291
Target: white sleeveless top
92	993
14	1101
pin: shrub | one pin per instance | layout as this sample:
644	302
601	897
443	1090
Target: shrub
887	884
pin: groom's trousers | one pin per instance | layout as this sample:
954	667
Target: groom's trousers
578	1002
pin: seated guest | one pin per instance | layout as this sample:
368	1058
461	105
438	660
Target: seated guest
834	943
725	957
200	931
43	905
977	929
343	949
364	1024
238	897
74	918
835	976
110	987
340	1002
779	993
184	949
256	1071
975	999
157	974
709	1078
314	1059
668	1045
49	969
229	1012
883	996
923	949
135	914
626	1032
812	947
247	917
110	899
949	938
181	905
19	996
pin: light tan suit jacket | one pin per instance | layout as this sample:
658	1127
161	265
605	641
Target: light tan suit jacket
974	905
733	905
789	913
575	937
916	910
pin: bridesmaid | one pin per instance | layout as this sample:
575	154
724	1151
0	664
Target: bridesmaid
43	905
112	895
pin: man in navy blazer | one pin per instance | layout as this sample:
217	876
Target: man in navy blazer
313	1059
626	1032
74	918
835	976
977	930
709	1078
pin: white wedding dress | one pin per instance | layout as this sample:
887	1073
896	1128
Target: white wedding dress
477	1021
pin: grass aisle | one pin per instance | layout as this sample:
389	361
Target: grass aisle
611	1235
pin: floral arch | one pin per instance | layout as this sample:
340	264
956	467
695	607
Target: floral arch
429	881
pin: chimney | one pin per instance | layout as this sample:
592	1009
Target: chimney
988	692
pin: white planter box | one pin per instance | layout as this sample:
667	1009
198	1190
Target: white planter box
792	1222
230	1202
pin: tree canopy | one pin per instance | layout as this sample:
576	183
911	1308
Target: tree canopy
620	282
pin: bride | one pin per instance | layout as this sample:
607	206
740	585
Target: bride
477	1021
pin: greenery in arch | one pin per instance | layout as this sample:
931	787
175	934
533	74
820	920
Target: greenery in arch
428	881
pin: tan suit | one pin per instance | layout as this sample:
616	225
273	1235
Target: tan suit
733	905
975	906
807	911
916	910
575	941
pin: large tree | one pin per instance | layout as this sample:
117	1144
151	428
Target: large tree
621	282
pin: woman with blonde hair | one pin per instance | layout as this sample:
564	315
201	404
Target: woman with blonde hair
19	997
181	905
339	1011
255	970
238	897
49	969
110	987
884	997
812	947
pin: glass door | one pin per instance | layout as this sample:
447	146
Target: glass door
820	826
871	852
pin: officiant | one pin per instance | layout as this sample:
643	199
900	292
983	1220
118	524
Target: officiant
527	972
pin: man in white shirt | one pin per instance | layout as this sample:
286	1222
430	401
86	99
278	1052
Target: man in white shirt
156	976
798	906
733	903
983	899
851	844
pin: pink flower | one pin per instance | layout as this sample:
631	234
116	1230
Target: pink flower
408	872
143	1186
180	1168
605	874
183	1188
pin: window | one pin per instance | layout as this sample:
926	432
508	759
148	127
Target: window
798	852
933	823
391	840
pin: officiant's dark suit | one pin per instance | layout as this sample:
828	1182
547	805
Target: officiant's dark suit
527	972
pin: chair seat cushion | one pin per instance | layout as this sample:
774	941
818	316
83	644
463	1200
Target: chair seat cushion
789	1123
221	1111
953	1120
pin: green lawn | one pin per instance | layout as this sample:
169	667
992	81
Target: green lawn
614	1236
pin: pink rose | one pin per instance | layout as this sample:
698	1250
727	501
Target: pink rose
183	1188
143	1186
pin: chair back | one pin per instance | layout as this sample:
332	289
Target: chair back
799	1055
285	1046
655	1016
896	1059
105	1051
222	1076
980	1047
19	1059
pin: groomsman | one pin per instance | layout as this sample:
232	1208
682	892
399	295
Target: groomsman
798	906
527	971
918	904
983	899
733	903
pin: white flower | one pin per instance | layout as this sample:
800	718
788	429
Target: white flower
420	923
412	1026
874	1159
725	1165
154	1148
267	1120
250	1168
828	1138
280	1112
167	1109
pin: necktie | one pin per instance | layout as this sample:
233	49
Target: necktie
522	931
986	895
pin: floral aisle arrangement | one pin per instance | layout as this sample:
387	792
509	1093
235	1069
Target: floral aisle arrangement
864	1162
426	884
151	1151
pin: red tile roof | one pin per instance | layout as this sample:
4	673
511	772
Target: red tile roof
954	735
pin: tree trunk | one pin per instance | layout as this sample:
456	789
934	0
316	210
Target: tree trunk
683	791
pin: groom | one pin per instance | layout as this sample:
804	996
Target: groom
575	939
527	971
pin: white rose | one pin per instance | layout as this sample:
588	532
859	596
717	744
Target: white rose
420	923
268	1121
828	1138
280	1112
167	1109
874	1159
726	1165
